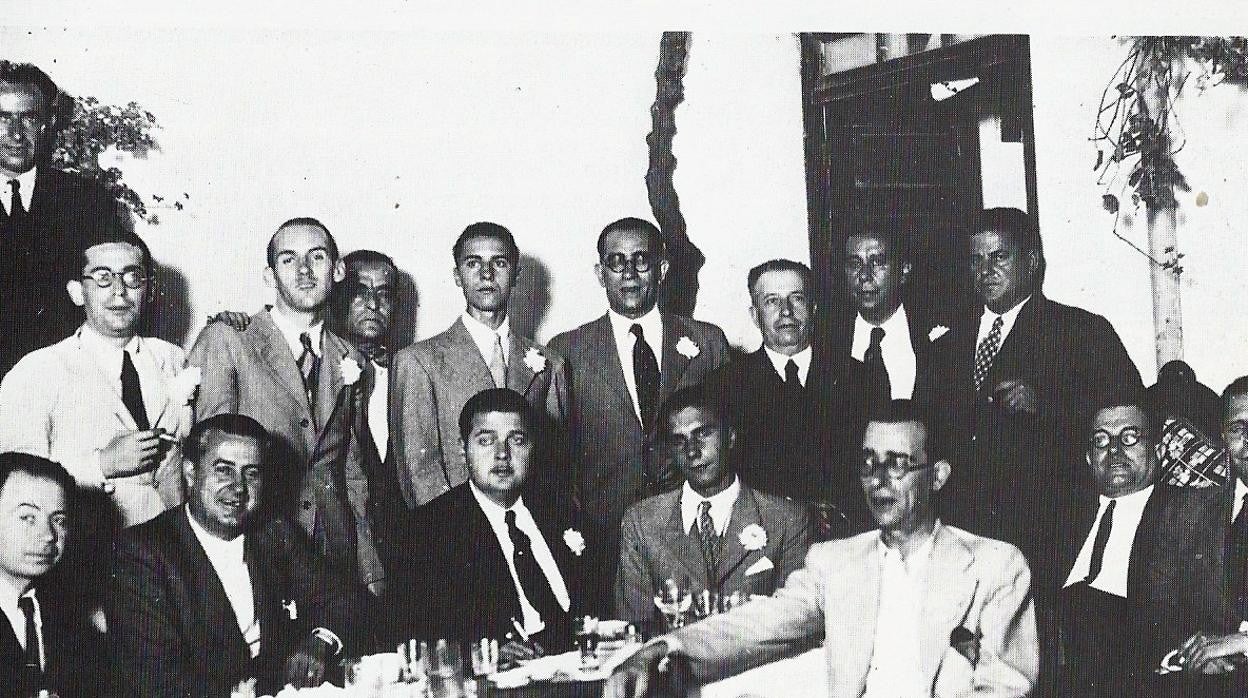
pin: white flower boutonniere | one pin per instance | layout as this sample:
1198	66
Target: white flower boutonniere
291	608
753	537
687	348
351	370
575	541
534	360
183	386
936	333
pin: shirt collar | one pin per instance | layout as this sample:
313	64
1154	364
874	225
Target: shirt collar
290	331
651	326
917	562
1008	317
801	358
483	335
216	548
9	594
97	345
493	511
1240	490
897	324
721	502
26	180
1135	499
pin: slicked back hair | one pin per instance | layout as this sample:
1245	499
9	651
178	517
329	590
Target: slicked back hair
36	466
638	225
908	411
692	396
808	280
503	400
486	229
196	444
30	74
1238	387
330	243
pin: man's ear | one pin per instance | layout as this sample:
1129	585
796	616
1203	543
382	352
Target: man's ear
515	272
940	474
74	288
663	266
754	317
906	268
601	274
1033	261
340	271
269	279
188	474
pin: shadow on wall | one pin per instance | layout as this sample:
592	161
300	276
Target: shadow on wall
530	299
403	324
169	311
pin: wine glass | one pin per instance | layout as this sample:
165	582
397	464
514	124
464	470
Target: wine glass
673	599
705	603
586	630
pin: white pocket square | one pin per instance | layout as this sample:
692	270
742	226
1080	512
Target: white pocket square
762	565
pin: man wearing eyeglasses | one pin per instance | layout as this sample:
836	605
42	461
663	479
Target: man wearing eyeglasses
1108	541
915	608
623	366
105	402
42	214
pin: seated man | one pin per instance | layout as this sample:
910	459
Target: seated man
44	643
915	609
484	560
715	531
213	592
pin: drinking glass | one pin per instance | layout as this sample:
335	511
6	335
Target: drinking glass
586	631
705	603
446	669
484	657
673	599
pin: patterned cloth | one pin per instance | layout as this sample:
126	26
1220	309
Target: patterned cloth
986	352
1189	458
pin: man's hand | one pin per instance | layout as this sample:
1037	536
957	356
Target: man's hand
234	318
132	453
638	675
1213	654
1016	396
306	667
377	587
515	651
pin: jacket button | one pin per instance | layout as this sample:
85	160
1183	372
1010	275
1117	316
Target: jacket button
303	422
306	505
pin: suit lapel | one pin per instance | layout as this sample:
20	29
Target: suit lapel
1013	358
732	558
950	592
854	600
264	586
465	360
10	649
606	362
90	370
1145	534
330	382
674	363
681	544
519	375
216	613
274	354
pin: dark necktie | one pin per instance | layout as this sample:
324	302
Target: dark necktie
876	370
791	378
709	540
1237	558
15	201
1103	528
986	352
532	580
32	668
646	374
309	369
131	393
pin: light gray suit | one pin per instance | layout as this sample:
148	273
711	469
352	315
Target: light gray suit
323	487
978	583
655	544
431	381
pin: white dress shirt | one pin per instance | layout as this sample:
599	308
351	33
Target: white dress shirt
227	560
484	336
26	189
652	327
721	506
896	349
17	619
378	408
1007	322
895	658
1112	579
108	357
532	621
291	331
801	358
1240	490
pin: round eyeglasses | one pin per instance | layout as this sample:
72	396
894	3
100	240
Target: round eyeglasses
1128	437
897	465
130	278
640	262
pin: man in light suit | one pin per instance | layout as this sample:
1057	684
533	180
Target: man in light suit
302	382
106	403
715	531
623	366
917	608
434	378
215	592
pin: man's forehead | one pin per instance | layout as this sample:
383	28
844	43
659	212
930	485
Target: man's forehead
20	97
113	254
23	488
374	273
993	240
779	281
692	418
498	421
484	246
300	238
1237	408
626	241
867	243
894	436
1112	418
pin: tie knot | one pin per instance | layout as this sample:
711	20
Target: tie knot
15	185
509	517
877	335
996	324
27	604
704	507
306	340
637	332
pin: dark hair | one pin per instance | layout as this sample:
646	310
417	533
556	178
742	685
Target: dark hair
35	466
696	396
103	233
270	252
1238	387
497	400
486	229
30	74
907	411
636	225
1019	227
1138	400
358	257
887	232
780	265
196	443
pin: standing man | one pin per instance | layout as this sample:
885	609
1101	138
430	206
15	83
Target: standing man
720	534
623	366
896	607
42	213
45	643
215	592
795	405
302	382
108	404
434	378
1110	539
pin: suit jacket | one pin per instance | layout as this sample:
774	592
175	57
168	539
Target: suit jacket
655	545
173	632
978	583
455	582
385	497
613	451
798	445
433	379
921	326
1082	522
73	649
41	253
1012	471
321	482
57	403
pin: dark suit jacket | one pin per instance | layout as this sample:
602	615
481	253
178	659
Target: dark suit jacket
1012	472
385	498
73	649
454	582
921	325
797	445
172	630
322	485
40	254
